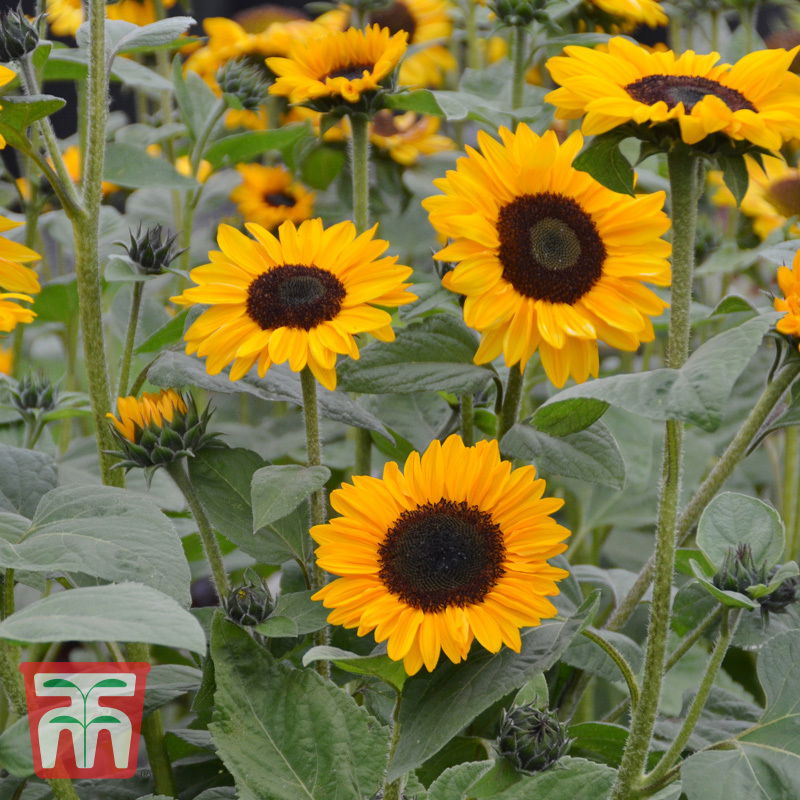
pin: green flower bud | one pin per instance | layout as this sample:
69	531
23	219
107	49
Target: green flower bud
151	251
244	81
251	603
18	36
517	12
34	393
532	740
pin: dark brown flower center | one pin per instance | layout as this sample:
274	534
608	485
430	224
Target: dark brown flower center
442	554
294	296
549	247
279	199
397	17
350	71
784	194
383	122
686	89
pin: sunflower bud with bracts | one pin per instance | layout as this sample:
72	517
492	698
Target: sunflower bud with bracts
531	739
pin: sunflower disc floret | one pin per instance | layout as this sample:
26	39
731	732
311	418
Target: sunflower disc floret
549	259
451	549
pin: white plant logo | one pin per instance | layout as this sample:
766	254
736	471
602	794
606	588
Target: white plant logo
84	718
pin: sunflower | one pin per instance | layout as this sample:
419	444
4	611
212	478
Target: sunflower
269	195
772	197
14	276
633	12
300	297
11	313
755	100
789	282
151	409
547	257
406	136
451	549
66	16
340	66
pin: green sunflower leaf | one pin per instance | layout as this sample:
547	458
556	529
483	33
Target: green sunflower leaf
604	161
734	173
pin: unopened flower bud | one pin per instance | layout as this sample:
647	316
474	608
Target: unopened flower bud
532	740
251	603
245	82
18	35
151	251
34	393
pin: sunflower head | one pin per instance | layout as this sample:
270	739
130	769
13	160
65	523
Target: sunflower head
549	259
789	283
301	296
666	97
451	549
347	69
532	739
405	135
269	196
158	428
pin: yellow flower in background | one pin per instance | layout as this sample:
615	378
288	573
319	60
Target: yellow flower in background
789	282
406	136
12	313
152	408
755	100
14	275
270	195
548	258
6	360
183	165
340	66
6	76
65	16
635	12
299	297
772	197
72	161
453	548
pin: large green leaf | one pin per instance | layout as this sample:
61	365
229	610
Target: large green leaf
246	146
454	783
569	779
294	614
696	393
141	38
279	384
196	101
732	519
19	113
278	490
25	477
604	161
123	612
763	762
108	533
590	455
435	707
132	167
377	664
286	733
432	354
15	749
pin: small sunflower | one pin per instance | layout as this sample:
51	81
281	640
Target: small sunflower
14	275
340	67
152	408
269	196
12	313
756	100
548	258
772	197
406	136
789	282
453	548
299	297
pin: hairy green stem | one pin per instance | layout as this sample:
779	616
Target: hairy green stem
683	173
177	471
130	338
467	419
700	698
393	790
511	402
621	662
363	459
733	454
8	594
791	461
153	733
519	58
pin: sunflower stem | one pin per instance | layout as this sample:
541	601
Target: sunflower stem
467	419
693	714
393	790
791	454
519	60
473	49
683	174
317	504
153	733
178	473
511	402
130	338
621	662
733	454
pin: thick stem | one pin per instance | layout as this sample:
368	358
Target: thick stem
130	338
363	460
153	733
473	47
394	790
683	173
214	555
722	470
511	401
699	701
519	58
467	419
